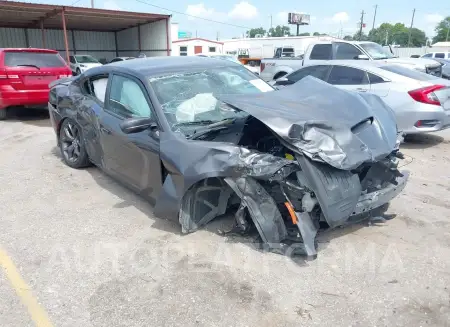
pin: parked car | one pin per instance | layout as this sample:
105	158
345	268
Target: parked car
420	101
319	52
80	63
25	75
121	59
445	67
200	137
440	55
228	57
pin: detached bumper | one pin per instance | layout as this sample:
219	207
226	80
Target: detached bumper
370	201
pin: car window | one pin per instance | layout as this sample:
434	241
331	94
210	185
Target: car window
374	79
127	98
96	86
72	59
278	53
346	51
439	55
321	52
86	59
407	72
428	55
342	75
40	59
116	59
319	71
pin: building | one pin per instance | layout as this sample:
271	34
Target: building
265	46
190	47
104	34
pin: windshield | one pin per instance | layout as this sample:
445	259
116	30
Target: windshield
38	59
86	60
191	98
376	51
229	58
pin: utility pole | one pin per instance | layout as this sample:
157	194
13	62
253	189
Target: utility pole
374	16
448	29
387	36
271	21
92	3
361	24
410	29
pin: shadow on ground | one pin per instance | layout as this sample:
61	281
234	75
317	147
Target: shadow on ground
31	116
422	141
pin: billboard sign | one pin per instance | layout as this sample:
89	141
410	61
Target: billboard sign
184	35
299	19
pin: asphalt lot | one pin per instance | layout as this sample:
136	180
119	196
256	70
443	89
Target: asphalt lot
92	254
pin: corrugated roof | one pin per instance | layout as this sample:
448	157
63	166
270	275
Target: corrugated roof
197	38
30	15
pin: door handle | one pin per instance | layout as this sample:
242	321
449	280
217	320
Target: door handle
361	90
105	130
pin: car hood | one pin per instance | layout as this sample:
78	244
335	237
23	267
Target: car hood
418	62
91	65
342	128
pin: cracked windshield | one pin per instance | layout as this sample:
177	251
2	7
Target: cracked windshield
191	98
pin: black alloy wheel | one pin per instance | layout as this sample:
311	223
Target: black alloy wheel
72	146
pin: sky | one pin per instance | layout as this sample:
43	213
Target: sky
331	17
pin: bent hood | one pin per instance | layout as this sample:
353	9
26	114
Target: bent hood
327	124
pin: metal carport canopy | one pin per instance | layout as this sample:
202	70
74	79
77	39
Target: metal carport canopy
30	15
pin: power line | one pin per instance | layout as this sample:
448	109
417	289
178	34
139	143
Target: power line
182	13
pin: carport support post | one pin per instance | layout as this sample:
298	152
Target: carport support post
44	45
167	36
139	38
65	34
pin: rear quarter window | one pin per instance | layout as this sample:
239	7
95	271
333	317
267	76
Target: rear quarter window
20	58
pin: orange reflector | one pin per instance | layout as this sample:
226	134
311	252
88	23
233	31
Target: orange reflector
291	212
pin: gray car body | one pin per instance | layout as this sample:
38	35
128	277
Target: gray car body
176	173
394	91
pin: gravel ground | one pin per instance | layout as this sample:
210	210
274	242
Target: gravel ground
93	254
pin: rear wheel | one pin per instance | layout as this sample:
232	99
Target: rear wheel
78	72
3	114
280	74
72	145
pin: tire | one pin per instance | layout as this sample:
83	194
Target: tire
71	144
78	72
3	114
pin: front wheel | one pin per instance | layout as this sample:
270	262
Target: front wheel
72	146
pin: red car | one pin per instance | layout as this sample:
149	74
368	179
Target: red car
25	75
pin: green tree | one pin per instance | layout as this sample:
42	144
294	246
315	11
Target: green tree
304	34
363	37
397	34
280	30
442	31
316	34
254	31
418	37
348	38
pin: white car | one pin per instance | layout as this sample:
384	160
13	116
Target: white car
440	55
80	63
232	58
420	101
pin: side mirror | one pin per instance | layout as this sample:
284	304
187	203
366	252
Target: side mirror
283	81
362	57
136	125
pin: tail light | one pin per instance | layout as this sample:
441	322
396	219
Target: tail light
6	79
262	66
426	94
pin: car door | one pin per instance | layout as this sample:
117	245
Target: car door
132	158
349	78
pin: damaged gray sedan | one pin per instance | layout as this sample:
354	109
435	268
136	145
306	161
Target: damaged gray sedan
200	138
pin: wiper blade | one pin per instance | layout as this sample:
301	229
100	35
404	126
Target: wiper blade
27	65
215	126
197	122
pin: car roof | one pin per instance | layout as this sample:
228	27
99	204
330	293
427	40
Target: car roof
160	65
29	50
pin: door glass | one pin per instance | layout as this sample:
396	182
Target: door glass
127	98
346	51
428	55
319	71
72	59
374	79
342	75
439	55
321	52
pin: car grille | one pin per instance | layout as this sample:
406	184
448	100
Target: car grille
435	71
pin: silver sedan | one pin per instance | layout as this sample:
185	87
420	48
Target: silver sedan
421	102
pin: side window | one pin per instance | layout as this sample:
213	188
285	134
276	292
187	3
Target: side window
115	60
321	52
428	55
439	55
319	72
374	79
346	51
341	75
96	87
72	60
212	49
278	53
127	98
